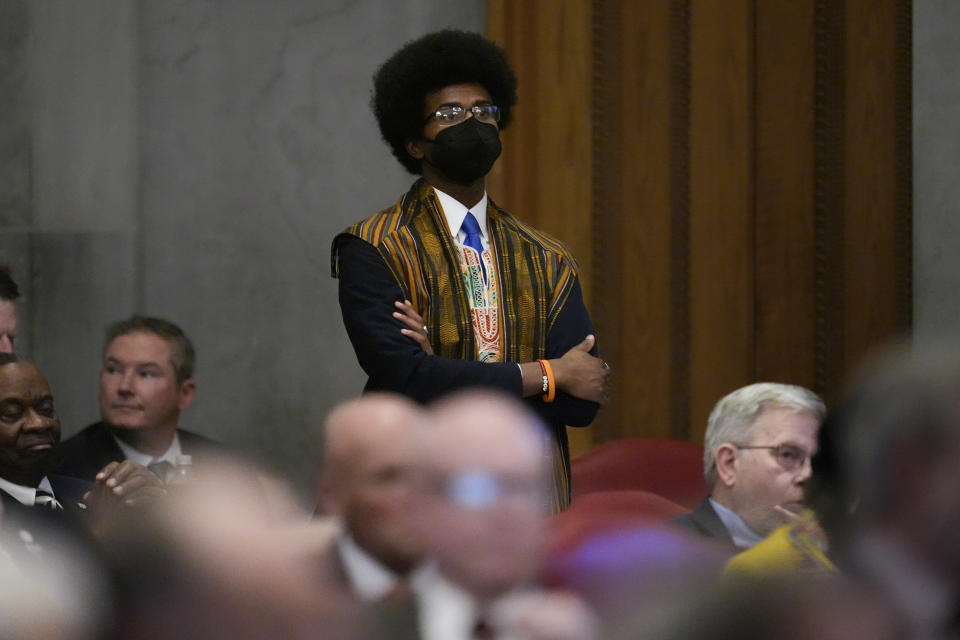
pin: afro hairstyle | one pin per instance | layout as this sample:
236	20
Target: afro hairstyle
432	62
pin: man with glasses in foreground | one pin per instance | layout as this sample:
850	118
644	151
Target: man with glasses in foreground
481	478
756	460
445	290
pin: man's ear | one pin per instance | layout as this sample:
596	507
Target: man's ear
726	460
415	149
188	389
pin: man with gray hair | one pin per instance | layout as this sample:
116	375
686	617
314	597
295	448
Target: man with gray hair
756	462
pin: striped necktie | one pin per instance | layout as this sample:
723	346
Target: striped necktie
45	498
161	469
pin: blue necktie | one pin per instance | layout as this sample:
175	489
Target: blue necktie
471	227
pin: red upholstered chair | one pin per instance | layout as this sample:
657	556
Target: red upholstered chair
669	468
601	511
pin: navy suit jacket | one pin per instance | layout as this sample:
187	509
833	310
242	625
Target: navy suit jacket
84	454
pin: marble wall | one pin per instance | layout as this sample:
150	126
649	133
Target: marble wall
936	166
193	160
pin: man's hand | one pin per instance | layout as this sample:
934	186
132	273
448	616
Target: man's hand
805	521
581	374
416	330
125	483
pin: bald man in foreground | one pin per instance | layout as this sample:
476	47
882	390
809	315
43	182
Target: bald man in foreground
365	484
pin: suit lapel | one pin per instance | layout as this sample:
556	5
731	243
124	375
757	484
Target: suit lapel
69	492
707	519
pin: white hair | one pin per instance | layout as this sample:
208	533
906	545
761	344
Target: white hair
733	417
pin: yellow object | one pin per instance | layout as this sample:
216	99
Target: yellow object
787	550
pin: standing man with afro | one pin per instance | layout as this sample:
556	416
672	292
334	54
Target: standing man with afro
445	290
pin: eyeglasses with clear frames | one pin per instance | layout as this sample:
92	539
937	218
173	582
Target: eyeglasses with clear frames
451	113
789	456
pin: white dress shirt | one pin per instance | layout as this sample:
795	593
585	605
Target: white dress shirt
446	612
26	495
171	455
455	212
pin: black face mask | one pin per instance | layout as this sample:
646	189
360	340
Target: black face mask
465	151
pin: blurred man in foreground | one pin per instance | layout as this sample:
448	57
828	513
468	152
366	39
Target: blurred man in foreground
484	463
217	561
365	483
888	485
756	457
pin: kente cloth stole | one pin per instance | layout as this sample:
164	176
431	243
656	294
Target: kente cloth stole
534	275
531	276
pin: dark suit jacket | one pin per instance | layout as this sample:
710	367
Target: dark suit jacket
84	454
45	524
704	521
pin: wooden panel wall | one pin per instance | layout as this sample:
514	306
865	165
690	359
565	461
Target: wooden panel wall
548	146
783	192
734	176
721	200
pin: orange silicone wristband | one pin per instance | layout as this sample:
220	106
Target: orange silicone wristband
548	371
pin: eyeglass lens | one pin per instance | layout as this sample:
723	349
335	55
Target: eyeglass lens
456	113
789	456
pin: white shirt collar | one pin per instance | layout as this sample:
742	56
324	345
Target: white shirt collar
171	455
455	212
743	536
369	579
25	495
446	611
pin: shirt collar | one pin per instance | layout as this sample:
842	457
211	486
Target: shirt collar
445	609
25	495
743	536
368	577
171	455
455	212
